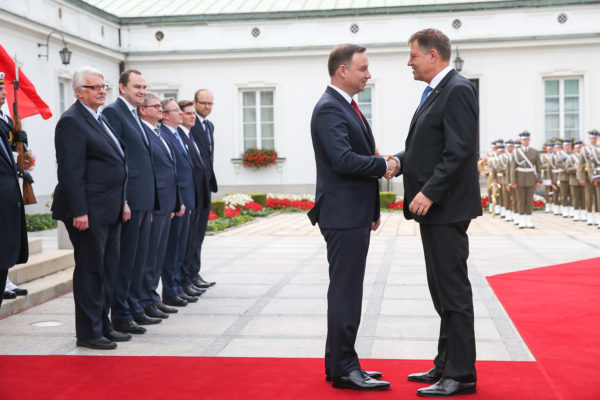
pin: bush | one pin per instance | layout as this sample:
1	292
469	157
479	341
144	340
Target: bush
39	222
386	198
223	223
260	198
218	207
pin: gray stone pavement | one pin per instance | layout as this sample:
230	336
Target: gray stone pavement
270	297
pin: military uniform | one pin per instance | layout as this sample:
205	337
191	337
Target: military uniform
511	195
526	173
594	175
499	173
585	164
572	167
555	171
566	206
546	176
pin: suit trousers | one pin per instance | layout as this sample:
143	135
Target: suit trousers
159	234
525	195
175	255
3	276
193	259
347	256
135	236
96	252
446	249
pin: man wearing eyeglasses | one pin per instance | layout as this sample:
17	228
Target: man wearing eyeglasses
90	199
203	133
127	313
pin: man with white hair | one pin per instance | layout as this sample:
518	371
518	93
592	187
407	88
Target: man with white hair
90	199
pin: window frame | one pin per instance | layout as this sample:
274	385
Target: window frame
562	112
258	121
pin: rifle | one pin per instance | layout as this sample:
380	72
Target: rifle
28	196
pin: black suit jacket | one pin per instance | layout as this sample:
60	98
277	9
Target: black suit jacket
201	179
92	174
185	170
347	168
141	185
441	152
14	248
165	169
207	150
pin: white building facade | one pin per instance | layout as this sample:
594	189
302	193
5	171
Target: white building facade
535	65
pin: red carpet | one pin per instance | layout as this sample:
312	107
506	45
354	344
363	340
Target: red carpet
554	308
557	312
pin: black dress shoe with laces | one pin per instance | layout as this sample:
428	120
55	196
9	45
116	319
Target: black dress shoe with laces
117	336
191	291
20	291
154	312
174	301
166	309
9	294
431	376
372	374
146	320
447	387
100	343
189	299
359	380
129	326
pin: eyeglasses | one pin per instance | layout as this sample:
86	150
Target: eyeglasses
205	103
155	106
96	87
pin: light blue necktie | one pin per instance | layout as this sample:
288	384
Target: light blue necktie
180	141
424	97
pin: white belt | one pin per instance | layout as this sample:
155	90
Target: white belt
525	169
597	169
501	174
557	171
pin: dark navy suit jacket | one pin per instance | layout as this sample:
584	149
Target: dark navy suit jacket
165	170
141	184
92	174
441	152
13	232
207	150
347	168
202	191
185	169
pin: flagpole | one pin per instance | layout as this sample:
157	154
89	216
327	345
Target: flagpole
28	195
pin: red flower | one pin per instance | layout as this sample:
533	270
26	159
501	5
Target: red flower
231	213
258	158
396	205
212	216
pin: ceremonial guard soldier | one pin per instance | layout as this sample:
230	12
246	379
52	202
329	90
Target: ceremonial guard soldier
575	183
526	177
511	195
566	202
516	209
500	179
594	174
546	175
591	199
555	172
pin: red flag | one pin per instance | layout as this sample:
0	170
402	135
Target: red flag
28	100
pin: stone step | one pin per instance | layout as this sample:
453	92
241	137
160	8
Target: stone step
41	264
39	291
35	246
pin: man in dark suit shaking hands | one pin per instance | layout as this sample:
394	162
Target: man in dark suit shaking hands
441	193
90	199
346	208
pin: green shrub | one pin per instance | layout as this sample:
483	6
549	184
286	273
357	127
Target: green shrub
260	198
218	207
39	222
386	198
223	223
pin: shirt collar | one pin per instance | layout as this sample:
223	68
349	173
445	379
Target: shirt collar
94	113
200	118
185	130
345	95
131	108
441	75
149	125
172	130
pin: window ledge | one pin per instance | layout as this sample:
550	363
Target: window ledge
238	163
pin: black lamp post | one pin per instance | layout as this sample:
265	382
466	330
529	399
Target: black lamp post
65	53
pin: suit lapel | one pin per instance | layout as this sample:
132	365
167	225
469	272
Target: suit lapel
96	126
133	121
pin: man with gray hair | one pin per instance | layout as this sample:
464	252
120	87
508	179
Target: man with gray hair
90	199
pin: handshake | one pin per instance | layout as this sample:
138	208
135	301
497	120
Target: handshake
393	167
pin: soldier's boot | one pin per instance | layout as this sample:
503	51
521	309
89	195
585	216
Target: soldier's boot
502	212
597	219
522	221
547	208
516	218
508	216
590	218
529	222
576	215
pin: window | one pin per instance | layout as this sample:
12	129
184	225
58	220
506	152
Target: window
65	94
562	108
364	100
258	123
166	93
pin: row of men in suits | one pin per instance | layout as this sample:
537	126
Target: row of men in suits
135	198
14	248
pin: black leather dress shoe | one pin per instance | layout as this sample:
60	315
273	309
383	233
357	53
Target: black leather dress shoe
129	326
146	320
117	336
198	289
174	301
207	282
192	292
100	343
201	284
447	387
189	299
431	376
359	380
166	309
20	291
154	312
372	374
9	294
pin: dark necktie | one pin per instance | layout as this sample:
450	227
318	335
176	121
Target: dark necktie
205	125
424	97
163	142
110	134
355	106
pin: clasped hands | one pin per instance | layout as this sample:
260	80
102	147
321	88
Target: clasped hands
393	167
